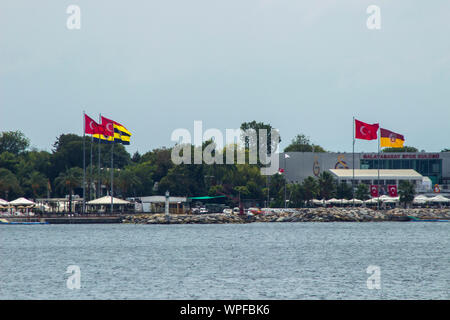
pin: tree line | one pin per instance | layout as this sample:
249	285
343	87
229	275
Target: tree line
35	173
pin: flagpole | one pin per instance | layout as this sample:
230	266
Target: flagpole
112	173
285	206
91	177
99	190
378	202
353	180
84	161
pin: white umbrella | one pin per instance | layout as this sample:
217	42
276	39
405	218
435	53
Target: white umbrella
373	200
439	199
22	202
107	200
421	199
356	201
3	202
332	200
318	202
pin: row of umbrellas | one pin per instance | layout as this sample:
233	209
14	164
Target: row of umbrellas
28	203
421	199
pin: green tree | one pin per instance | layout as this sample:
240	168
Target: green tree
344	191
362	192
38	183
311	188
14	142
253	125
9	185
302	143
128	182
327	185
69	180
296	195
406	192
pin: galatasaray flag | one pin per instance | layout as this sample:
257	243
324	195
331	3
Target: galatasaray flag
391	139
366	131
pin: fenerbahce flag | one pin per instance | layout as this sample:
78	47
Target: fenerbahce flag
391	139
119	134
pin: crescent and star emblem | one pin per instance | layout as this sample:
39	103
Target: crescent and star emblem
109	127
90	125
362	131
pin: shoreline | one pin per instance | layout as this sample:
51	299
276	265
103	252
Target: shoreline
295	215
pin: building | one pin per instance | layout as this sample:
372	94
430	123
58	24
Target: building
383	177
435	166
156	204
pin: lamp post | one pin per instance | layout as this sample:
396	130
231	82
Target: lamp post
167	203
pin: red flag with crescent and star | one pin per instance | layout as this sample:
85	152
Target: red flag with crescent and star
366	131
108	126
392	190
374	191
92	127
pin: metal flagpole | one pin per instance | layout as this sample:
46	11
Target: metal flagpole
112	173
378	202
285	206
353	180
91	177
99	190
84	161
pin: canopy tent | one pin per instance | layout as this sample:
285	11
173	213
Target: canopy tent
206	197
420	199
439	199
332	201
106	200
3	202
387	199
356	201
318	202
21	202
372	200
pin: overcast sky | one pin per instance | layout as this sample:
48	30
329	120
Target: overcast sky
155	66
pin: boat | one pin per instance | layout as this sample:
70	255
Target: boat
414	219
4	221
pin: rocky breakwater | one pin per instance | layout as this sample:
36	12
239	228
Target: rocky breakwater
421	213
277	215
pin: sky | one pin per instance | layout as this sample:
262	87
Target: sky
156	66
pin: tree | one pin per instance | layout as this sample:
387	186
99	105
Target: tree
302	143
406	191
9	183
402	149
362	192
311	188
327	185
128	182
296	194
258	126
344	191
69	180
38	183
14	142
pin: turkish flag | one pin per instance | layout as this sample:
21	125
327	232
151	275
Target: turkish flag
366	131
392	190
374	191
91	127
108	127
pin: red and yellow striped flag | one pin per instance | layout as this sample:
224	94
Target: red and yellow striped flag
391	139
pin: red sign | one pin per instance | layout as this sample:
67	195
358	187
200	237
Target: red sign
392	190
374	191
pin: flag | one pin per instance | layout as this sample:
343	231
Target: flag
286	156
91	127
280	171
392	190
391	139
374	190
366	131
120	133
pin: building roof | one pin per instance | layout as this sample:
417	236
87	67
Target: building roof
390	174
162	199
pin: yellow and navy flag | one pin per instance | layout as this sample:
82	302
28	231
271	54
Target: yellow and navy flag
114	133
391	139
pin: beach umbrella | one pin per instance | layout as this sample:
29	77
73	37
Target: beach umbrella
3	203
356	201
439	199
106	200
22	202
421	199
332	200
318	202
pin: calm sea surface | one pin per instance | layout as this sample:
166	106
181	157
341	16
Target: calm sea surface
252	261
